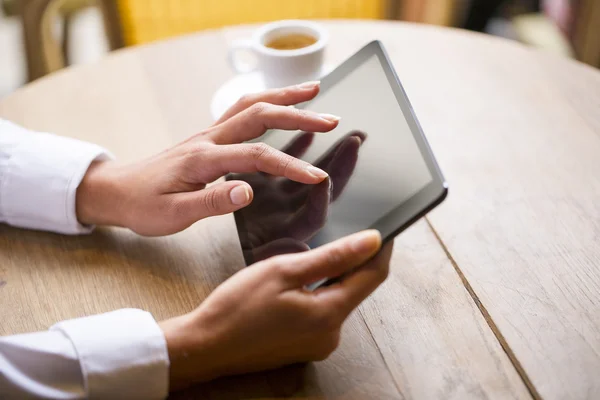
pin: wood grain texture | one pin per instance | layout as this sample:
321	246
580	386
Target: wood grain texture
498	116
517	135
426	325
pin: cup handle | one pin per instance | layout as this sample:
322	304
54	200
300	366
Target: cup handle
239	66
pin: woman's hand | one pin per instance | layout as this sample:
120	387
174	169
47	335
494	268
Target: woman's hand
263	317
168	192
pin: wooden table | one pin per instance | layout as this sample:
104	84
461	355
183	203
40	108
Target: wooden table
496	294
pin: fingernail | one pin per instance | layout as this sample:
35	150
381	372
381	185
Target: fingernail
330	118
316	172
366	241
239	195
309	85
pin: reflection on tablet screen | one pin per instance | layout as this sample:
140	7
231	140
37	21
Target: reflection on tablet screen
372	158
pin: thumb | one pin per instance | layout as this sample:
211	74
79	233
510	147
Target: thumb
221	198
331	260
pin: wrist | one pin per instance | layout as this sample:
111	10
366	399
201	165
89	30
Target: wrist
98	199
192	356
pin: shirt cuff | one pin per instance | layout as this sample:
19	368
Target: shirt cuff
40	181
123	354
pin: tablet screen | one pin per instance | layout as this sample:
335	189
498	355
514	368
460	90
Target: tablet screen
372	157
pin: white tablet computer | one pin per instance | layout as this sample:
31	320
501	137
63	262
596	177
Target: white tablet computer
383	174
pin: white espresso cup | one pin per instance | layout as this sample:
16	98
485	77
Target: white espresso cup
282	67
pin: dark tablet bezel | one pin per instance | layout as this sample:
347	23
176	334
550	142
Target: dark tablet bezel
436	191
418	205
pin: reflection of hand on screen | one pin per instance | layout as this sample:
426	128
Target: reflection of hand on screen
275	248
283	215
339	162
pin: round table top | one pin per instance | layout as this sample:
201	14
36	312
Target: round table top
495	294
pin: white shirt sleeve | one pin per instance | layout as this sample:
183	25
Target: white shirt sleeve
117	355
39	176
122	354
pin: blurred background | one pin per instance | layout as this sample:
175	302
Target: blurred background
41	36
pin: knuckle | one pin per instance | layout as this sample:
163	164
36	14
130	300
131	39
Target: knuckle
189	163
176	213
283	164
335	256
195	149
173	207
246	101
258	109
281	267
302	114
286	91
211	201
258	151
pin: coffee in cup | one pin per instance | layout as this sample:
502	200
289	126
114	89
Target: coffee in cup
286	52
292	41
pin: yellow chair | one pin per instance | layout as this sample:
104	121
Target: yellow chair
144	21
131	22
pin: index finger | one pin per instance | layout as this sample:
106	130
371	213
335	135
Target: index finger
258	157
256	120
286	96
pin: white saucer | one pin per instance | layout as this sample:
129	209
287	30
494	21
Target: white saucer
238	86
